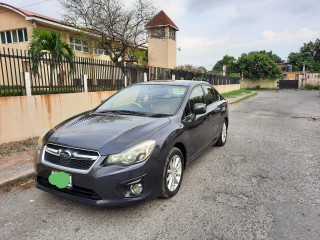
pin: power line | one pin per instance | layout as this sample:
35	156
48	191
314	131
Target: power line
26	6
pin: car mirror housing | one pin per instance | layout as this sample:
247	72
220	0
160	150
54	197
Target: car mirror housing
199	108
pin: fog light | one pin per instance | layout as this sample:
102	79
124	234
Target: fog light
136	188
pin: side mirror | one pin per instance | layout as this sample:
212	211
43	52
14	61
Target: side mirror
199	108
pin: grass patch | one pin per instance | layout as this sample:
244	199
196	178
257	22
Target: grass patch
235	92
246	97
19	146
21	183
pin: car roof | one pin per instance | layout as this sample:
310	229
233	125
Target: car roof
173	82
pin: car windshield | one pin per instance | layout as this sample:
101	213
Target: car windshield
150	99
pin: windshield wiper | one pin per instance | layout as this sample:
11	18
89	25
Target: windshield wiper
160	115
124	112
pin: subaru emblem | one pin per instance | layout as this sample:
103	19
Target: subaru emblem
65	154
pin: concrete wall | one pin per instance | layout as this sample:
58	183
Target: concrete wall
25	117
263	83
227	88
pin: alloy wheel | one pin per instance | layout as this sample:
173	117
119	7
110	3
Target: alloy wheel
174	173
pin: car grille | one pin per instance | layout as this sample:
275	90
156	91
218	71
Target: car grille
76	191
75	159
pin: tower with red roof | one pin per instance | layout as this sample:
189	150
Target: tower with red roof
162	47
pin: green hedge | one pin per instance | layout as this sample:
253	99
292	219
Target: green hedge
312	87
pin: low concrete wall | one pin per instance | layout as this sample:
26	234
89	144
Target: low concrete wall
263	83
25	117
227	88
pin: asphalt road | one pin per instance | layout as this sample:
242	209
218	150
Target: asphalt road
264	184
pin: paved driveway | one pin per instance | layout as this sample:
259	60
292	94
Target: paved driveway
264	184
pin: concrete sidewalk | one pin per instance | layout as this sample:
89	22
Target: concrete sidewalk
10	172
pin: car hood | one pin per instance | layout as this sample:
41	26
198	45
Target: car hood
106	133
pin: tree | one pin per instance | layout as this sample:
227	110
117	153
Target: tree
197	72
120	29
275	58
258	65
309	55
43	42
226	60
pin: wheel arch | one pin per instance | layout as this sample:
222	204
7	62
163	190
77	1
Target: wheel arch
183	149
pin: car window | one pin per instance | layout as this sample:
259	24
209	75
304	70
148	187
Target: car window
196	96
218	95
210	94
146	98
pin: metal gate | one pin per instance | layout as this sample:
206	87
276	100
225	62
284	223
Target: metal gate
288	84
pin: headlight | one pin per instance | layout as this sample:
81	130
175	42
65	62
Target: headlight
136	154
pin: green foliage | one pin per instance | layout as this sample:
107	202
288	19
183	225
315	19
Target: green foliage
258	65
275	58
43	42
309	55
227	60
140	57
235	92
10	92
312	87
198	71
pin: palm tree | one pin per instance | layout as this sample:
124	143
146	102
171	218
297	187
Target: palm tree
43	42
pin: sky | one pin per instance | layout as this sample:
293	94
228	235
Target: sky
210	29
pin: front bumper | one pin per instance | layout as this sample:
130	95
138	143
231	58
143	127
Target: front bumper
106	186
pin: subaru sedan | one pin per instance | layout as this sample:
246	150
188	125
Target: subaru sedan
133	147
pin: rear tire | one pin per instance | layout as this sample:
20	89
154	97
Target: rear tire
172	173
223	134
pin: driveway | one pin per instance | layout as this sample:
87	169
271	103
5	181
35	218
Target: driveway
264	184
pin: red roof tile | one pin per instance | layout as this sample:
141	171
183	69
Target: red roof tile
161	19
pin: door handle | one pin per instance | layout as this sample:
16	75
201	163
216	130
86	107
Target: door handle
209	117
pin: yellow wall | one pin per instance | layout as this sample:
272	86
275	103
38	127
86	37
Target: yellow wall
162	52
226	88
265	83
25	117
10	20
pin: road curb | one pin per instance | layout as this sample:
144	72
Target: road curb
10	180
243	98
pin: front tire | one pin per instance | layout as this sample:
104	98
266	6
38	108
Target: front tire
172	173
223	134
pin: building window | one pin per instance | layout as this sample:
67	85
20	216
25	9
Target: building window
100	51
157	32
172	34
14	36
79	45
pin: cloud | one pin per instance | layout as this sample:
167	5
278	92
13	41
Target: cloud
174	9
205	5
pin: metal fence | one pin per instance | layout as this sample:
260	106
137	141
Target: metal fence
81	73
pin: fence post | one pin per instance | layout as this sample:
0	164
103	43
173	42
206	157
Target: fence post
28	83
85	82
173	77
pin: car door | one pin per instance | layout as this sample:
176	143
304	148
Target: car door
214	121
195	125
